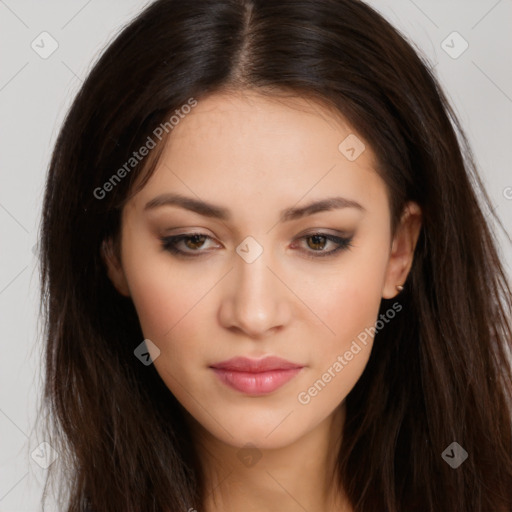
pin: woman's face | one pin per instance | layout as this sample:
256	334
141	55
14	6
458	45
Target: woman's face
259	275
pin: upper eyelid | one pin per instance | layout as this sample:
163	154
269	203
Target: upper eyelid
347	239
308	232
318	232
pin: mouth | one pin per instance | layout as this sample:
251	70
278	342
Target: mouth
256	376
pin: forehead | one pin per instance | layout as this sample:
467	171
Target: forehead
245	145
285	127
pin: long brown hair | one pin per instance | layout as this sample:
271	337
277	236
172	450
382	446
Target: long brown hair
439	373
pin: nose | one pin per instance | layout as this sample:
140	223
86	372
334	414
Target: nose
256	302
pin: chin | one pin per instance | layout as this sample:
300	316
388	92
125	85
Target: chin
262	437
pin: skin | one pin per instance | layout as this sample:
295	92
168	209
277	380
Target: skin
255	156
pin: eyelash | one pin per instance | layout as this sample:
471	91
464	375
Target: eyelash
169	244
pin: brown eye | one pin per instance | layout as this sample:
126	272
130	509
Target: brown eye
195	241
316	243
189	244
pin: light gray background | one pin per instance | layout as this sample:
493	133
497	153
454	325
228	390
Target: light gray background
35	94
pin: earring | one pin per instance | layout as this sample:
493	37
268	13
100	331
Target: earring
399	287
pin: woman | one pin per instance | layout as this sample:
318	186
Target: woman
268	282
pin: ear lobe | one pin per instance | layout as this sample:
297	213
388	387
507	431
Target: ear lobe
402	250
114	268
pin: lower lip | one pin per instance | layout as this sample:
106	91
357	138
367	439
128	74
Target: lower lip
256	383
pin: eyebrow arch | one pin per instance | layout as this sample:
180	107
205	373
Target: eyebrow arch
218	212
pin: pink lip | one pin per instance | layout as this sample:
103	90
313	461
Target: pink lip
256	376
244	364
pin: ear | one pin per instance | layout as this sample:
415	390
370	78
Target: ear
402	249
114	268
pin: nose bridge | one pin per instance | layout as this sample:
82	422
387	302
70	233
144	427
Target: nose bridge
251	270
253	279
257	302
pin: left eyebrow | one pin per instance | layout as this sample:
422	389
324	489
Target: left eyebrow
331	203
211	210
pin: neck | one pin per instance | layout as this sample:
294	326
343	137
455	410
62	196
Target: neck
299	476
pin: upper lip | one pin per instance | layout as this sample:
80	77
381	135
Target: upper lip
244	364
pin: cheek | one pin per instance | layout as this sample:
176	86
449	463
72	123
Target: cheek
162	294
170	310
347	300
348	304
339	357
